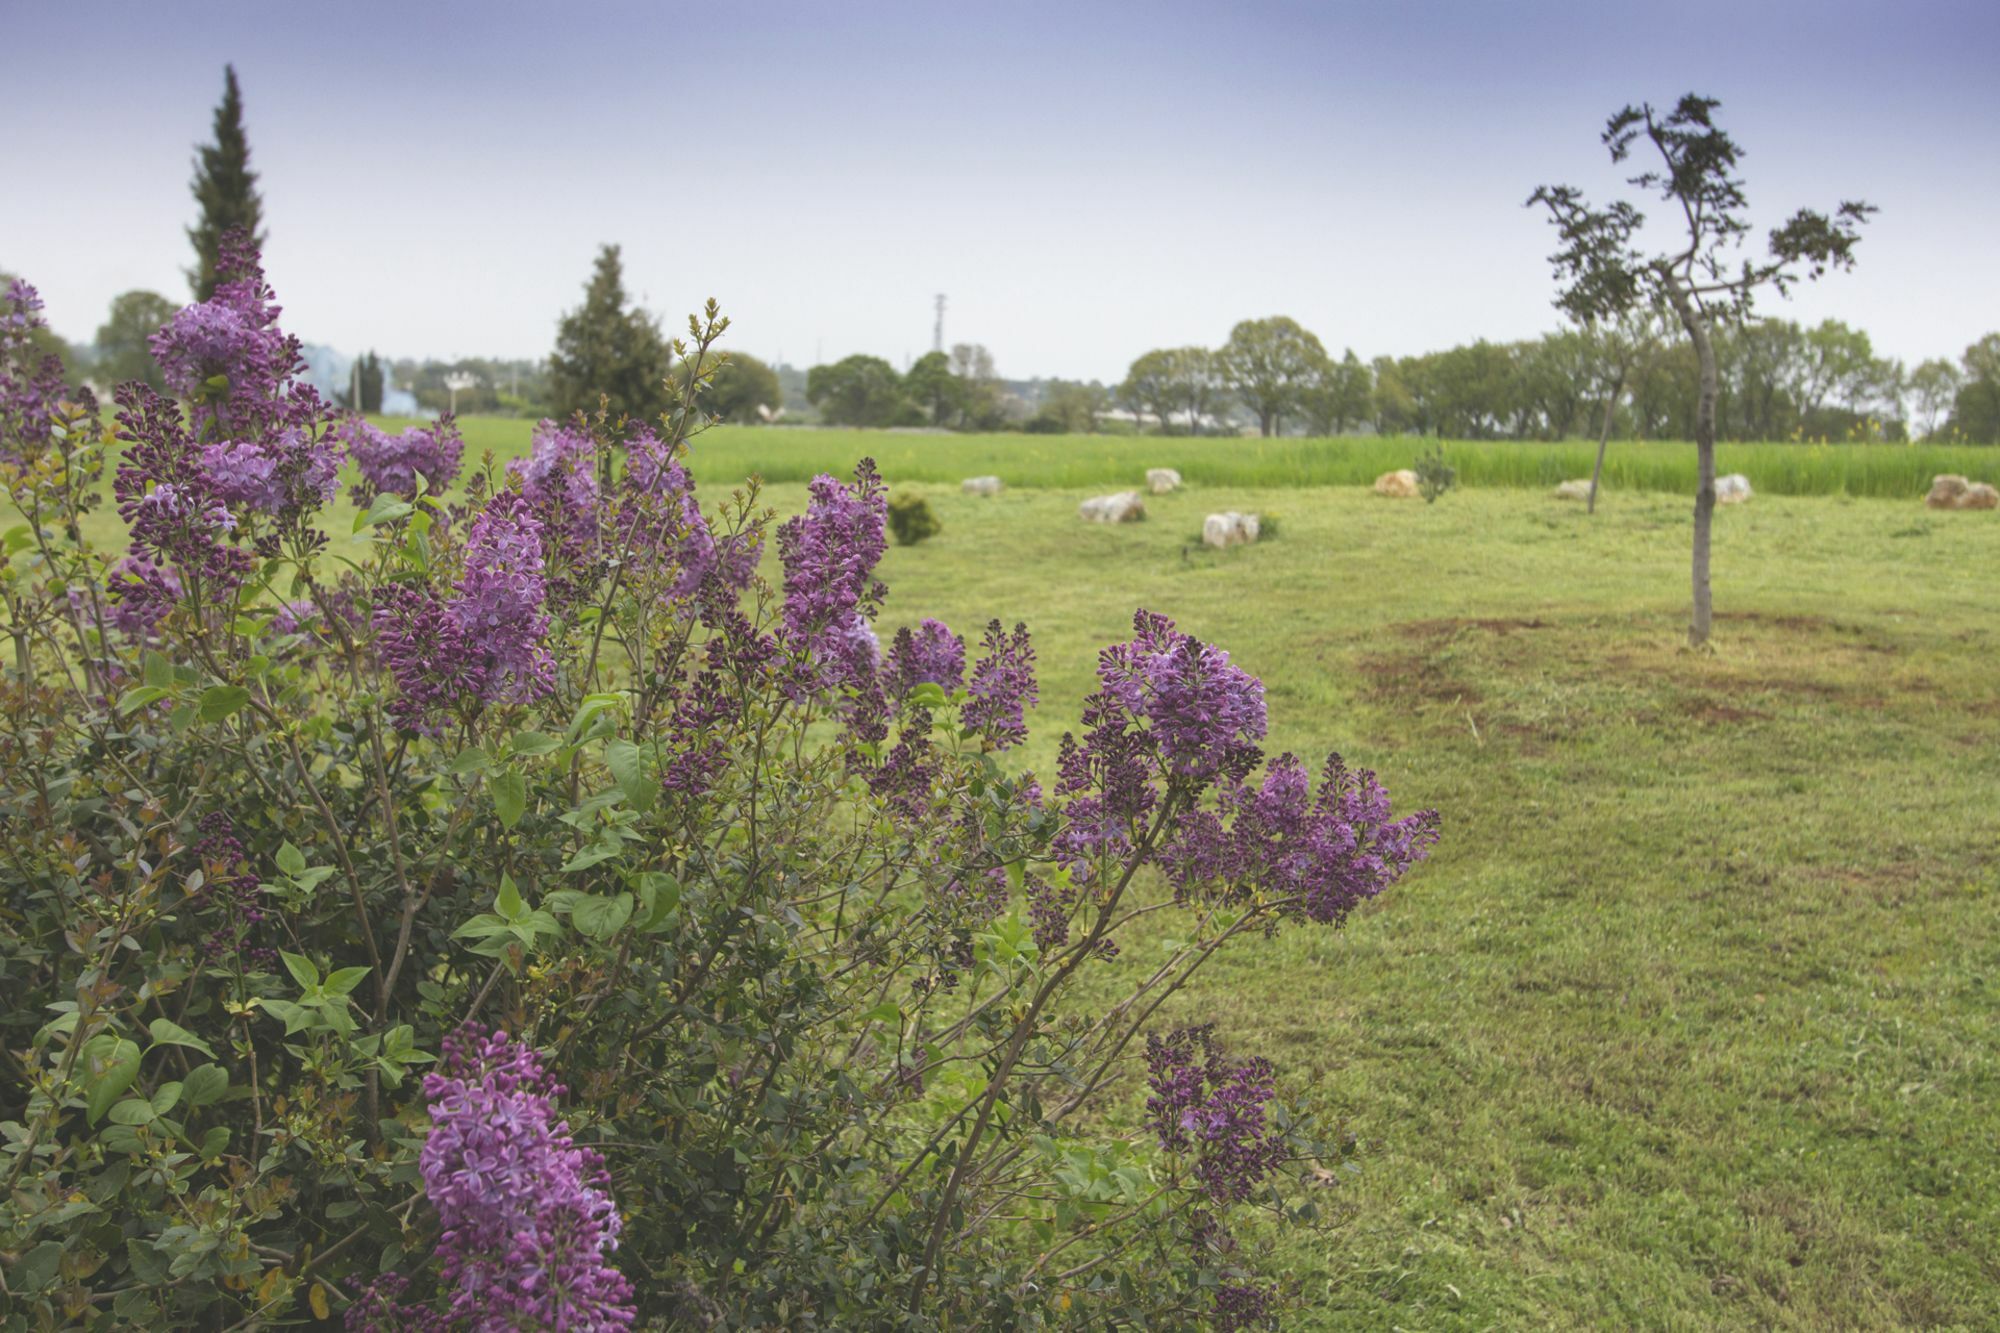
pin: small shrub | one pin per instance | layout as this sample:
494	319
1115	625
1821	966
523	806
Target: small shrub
911	519
1268	527
1434	475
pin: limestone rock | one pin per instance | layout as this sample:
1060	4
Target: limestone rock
1400	485
1160	480
1578	489
1230	529
1733	489
1979	496
1124	507
1952	491
982	485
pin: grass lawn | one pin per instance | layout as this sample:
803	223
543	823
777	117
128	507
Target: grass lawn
1691	1021
727	453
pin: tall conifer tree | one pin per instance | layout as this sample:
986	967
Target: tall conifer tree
225	187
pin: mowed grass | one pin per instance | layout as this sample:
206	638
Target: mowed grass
729	453
1691	1022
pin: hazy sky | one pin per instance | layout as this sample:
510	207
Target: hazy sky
1084	180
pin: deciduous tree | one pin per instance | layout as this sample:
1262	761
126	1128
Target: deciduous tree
1269	364
122	350
1603	274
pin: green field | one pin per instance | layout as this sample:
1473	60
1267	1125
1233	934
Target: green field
1691	1021
729	453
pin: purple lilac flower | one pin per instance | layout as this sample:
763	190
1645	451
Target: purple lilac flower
30	392
141	595
1239	1306
425	650
394	464
527	1220
559	476
929	655
1203	1106
1317	854
661	521
830	553
229	884
1204	715
167	498
1002	687
498	606
227	355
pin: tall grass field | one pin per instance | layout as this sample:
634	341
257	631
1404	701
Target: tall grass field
727	454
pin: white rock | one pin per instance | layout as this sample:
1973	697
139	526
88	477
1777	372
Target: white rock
1124	507
1160	480
1230	529
1979	496
982	485
1399	485
1733	489
1574	490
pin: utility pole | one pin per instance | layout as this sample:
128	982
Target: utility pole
937	329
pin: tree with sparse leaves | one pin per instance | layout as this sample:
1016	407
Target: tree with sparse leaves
225	188
1602	274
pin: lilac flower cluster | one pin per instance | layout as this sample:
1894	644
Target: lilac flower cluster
227	355
394	464
527	1221
30	391
485	642
559	476
255	442
141	595
929	655
662	523
1317	854
1203	1106
830	553
1002	687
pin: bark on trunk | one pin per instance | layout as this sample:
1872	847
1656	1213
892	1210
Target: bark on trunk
1695	321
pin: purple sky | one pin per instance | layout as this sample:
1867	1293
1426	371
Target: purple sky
1084	180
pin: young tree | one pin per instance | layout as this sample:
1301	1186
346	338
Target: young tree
1269	363
1619	347
224	187
1934	385
606	350
371	383
122	350
978	386
1603	275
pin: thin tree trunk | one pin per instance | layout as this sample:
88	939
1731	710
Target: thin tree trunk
1696	324
1603	438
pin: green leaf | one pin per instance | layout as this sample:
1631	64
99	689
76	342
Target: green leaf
510	796
291	860
928	694
295	1017
147	1264
109	1066
205	1085
660	894
345	980
159	671
219	701
508	902
599	917
37	1268
532	743
166	1097
301	969
133	1111
387	508
213	1142
168	1033
628	769
594	854
471	759
140	697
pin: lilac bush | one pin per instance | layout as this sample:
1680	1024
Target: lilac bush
544	919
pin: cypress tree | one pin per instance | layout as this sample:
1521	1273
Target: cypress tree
224	187
604	348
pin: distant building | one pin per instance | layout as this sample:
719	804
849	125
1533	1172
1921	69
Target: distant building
332	373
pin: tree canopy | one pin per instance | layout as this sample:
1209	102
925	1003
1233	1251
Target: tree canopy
607	350
123	352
